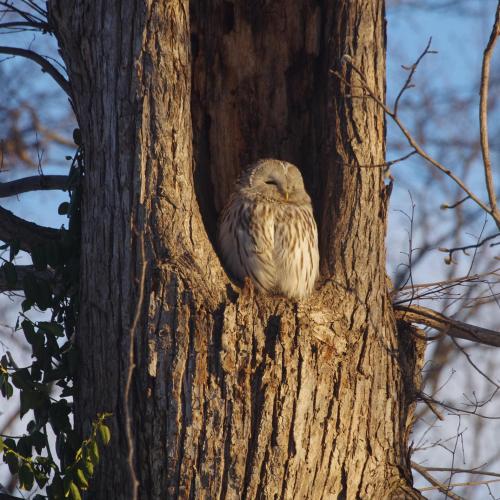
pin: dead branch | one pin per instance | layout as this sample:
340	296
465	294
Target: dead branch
443	488
483	113
457	329
33	183
28	234
21	272
42	62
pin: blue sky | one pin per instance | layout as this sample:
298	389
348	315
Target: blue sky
459	40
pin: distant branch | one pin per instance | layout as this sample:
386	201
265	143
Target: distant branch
483	114
33	183
26	233
21	272
423	316
42	62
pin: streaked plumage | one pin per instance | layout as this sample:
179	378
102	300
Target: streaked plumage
267	230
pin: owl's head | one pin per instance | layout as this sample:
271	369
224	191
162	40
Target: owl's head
276	180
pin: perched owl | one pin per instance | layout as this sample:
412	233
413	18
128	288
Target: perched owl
267	230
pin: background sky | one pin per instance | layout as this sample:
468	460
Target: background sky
443	113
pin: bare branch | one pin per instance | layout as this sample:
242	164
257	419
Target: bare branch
457	329
450	251
443	488
413	143
33	183
408	85
468	483
21	272
27	233
41	61
463	471
483	114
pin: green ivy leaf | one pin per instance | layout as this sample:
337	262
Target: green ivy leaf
31	400
44	295
11	460
94	453
74	492
52	327
104	433
39	441
10	273
6	389
39	257
59	416
82	480
26	476
63	208
21	378
26	305
25	446
30	287
89	466
53	253
15	246
56	488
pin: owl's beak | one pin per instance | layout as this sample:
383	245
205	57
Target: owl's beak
286	195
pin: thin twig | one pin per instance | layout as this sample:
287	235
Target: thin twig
445	206
469	247
387	164
463	471
42	62
408	85
454	281
483	114
455	485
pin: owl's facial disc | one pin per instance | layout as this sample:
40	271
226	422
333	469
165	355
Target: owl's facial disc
275	185
278	180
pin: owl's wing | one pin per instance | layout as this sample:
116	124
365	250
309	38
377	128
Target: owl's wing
255	244
246	239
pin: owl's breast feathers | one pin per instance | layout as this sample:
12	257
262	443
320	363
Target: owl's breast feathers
275	244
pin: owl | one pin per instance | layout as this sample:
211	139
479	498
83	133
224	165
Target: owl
267	230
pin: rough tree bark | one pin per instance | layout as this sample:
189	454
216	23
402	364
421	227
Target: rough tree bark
235	394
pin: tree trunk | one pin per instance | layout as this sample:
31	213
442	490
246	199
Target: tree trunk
235	394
